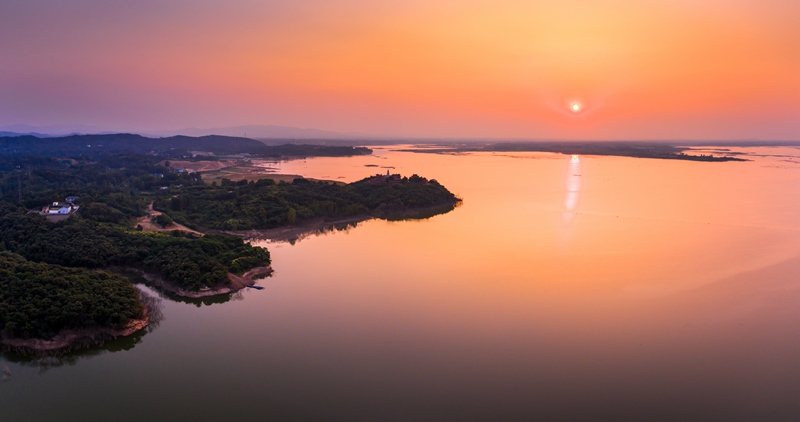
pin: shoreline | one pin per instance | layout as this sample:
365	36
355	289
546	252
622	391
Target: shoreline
321	225
75	339
632	149
235	282
299	231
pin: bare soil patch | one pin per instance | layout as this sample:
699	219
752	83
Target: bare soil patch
148	226
198	165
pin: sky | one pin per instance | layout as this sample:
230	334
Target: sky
549	69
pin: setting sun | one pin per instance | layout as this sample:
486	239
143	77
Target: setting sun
575	107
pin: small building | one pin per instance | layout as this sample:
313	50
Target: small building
59	208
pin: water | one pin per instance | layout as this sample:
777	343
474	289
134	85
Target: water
562	288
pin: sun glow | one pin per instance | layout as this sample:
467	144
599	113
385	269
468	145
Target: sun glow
575	107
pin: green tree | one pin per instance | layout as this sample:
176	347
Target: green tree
162	220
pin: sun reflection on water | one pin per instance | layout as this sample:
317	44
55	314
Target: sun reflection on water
573	185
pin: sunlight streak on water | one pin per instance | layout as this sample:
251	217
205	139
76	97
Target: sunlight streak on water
573	185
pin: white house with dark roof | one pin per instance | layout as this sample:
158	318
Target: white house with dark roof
59	208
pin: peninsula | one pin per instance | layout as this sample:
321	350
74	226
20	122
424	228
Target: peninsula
264	204
132	212
50	308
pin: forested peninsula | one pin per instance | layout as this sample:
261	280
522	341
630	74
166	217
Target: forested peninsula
266	205
73	211
50	307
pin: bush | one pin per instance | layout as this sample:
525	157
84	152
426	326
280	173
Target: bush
162	220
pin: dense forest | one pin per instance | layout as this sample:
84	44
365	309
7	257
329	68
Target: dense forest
38	300
183	259
121	182
265	204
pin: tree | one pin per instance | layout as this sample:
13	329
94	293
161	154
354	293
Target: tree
162	220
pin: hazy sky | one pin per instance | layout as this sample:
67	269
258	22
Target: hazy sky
698	69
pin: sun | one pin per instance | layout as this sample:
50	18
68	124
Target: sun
575	107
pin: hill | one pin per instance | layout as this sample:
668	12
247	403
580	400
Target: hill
262	131
126	143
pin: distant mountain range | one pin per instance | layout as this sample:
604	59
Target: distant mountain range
36	134
126	143
49	131
262	132
245	131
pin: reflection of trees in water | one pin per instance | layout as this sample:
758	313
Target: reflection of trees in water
202	301
5	373
389	213
152	289
46	361
324	230
419	213
154	309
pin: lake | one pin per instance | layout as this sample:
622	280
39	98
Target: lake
564	287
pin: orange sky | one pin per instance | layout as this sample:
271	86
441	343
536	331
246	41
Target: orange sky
503	69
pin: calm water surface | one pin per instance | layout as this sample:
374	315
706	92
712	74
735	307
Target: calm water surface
563	288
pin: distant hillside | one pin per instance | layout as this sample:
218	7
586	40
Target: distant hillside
262	131
125	143
38	135
51	131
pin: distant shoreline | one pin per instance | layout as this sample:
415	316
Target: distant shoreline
662	151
